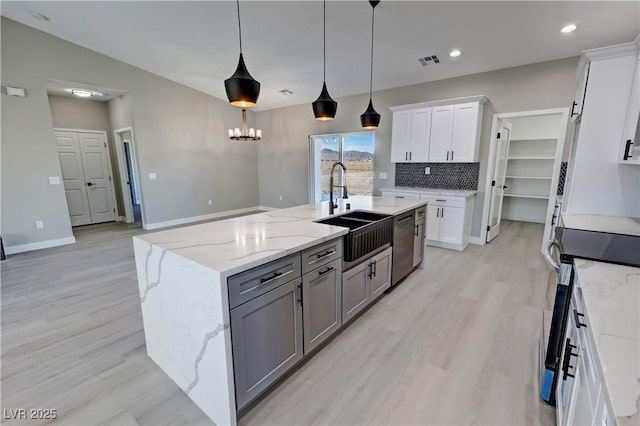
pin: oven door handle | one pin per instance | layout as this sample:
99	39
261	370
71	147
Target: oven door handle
549	257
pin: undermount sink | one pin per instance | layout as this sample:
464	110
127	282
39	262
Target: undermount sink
367	232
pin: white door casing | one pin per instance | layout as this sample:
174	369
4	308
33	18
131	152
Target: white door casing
73	177
498	181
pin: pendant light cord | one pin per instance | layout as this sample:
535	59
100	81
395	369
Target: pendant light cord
239	28
324	41
371	75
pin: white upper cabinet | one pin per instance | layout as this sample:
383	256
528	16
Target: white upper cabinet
400	136
437	132
630	147
441	134
466	132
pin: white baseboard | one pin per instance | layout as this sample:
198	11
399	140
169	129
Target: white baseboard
185	220
477	241
20	248
523	218
121	219
266	208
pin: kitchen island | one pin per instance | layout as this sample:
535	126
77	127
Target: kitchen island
183	277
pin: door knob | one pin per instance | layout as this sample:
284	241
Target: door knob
504	187
89	183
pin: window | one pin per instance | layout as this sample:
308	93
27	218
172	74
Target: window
355	150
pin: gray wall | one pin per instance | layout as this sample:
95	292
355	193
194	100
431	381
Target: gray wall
75	113
283	153
180	135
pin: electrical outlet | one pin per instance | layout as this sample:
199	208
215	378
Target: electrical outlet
39	224
382	175
210	202
281	198
427	170
54	180
152	176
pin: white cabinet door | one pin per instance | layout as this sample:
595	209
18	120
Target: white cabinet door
433	223
441	133
451	224
464	135
420	135
379	273
400	136
630	149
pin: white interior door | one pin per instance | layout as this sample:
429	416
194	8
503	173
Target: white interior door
93	148
73	177
498	182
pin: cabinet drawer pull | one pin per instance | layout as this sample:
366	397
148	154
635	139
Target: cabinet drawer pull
627	148
330	268
577	315
272	277
442	201
399	196
322	255
568	353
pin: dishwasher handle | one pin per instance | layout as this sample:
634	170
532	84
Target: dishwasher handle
549	257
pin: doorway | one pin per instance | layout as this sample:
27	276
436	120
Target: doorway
525	156
86	173
130	182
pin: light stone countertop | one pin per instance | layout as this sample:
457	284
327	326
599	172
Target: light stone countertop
592	222
611	295
238	244
434	191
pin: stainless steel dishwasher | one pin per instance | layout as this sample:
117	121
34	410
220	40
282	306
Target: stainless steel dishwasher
403	235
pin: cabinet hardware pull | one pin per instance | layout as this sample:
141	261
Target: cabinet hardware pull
300	288
568	353
406	156
330	268
573	106
272	277
451	155
627	148
577	315
442	201
442	214
320	256
375	267
417	230
410	155
438	212
370	273
447	155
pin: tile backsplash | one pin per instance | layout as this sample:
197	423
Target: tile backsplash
443	175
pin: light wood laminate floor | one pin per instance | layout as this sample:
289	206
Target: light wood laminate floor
456	343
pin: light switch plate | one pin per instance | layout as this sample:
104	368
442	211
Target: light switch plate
39	224
427	170
152	176
382	175
54	180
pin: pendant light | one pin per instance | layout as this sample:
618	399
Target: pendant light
242	89
370	118
324	108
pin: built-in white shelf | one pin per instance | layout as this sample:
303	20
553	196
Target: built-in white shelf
531	157
529	177
536	197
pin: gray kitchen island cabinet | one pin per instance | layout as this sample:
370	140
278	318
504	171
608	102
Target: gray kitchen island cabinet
321	303
267	340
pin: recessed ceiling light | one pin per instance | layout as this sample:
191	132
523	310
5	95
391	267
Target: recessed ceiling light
39	16
568	28
455	53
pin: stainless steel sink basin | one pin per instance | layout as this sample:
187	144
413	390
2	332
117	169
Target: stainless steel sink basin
367	232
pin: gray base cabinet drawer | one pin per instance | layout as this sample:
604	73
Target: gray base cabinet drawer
254	282
321	304
321	254
379	273
266	335
355	293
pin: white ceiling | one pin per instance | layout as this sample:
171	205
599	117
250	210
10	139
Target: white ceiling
196	43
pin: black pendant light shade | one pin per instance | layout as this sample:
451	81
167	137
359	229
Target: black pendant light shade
242	89
324	108
370	118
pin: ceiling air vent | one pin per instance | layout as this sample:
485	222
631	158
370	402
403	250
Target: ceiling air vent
285	92
429	60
